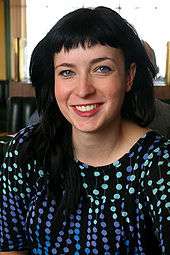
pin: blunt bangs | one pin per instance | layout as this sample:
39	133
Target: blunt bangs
83	27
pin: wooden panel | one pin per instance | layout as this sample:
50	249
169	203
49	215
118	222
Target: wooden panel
21	89
162	92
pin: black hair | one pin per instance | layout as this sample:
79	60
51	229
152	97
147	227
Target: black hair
52	137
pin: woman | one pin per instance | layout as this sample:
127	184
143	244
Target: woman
90	178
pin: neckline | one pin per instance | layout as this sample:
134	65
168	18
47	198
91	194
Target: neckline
149	135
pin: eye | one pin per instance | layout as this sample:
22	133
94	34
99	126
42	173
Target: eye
103	69
67	73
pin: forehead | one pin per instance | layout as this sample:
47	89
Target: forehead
87	53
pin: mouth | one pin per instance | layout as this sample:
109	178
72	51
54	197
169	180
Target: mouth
86	108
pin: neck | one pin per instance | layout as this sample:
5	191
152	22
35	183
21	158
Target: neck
107	146
98	148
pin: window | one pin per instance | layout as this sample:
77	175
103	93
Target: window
150	18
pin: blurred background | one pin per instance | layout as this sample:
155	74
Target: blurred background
23	23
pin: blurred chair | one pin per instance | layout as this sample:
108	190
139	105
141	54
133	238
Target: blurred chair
4	94
19	110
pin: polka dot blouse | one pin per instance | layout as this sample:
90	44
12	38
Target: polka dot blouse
125	209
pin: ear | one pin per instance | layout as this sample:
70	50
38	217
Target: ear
130	76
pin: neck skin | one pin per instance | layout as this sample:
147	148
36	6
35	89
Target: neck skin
106	146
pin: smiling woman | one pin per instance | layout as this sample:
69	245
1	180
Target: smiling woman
90	178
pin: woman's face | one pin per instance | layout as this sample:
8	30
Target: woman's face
90	85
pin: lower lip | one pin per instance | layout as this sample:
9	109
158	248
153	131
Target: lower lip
88	113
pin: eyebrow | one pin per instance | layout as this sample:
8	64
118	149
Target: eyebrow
93	61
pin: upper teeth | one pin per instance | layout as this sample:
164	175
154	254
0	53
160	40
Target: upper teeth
86	108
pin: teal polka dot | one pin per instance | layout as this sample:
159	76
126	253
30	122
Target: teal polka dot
83	174
16	152
95	192
9	169
160	181
163	197
116	196
162	188
106	178
4	165
96	173
114	216
41	173
97	202
150	182
132	177
131	190
155	191
118	174
135	166
104	186
124	214
167	205
85	185
113	208
118	186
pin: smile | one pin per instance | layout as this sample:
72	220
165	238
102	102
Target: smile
86	108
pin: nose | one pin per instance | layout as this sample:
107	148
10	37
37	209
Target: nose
85	86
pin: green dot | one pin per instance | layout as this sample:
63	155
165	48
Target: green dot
95	222
104	186
162	188
118	186
28	190
20	182
167	205
95	192
116	196
106	177
135	166
90	210
4	178
16	177
15	189
41	173
140	206
9	169
113	208
132	177
114	216
96	173
20	175
131	190
4	165
118	174
158	203
124	214
150	183
155	191
85	185
160	181
97	210
163	197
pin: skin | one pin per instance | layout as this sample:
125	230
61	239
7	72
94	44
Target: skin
14	253
90	85
91	76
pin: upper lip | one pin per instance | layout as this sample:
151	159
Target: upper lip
85	104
